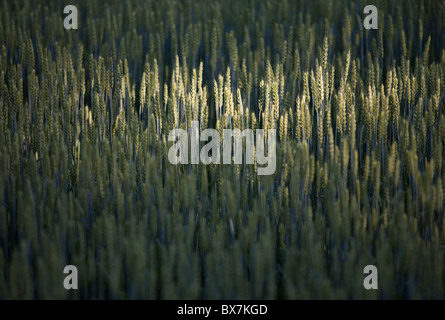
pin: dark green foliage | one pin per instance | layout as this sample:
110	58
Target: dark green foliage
85	179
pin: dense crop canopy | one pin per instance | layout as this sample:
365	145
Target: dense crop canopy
85	179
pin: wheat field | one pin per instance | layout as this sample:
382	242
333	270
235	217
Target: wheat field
85	179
